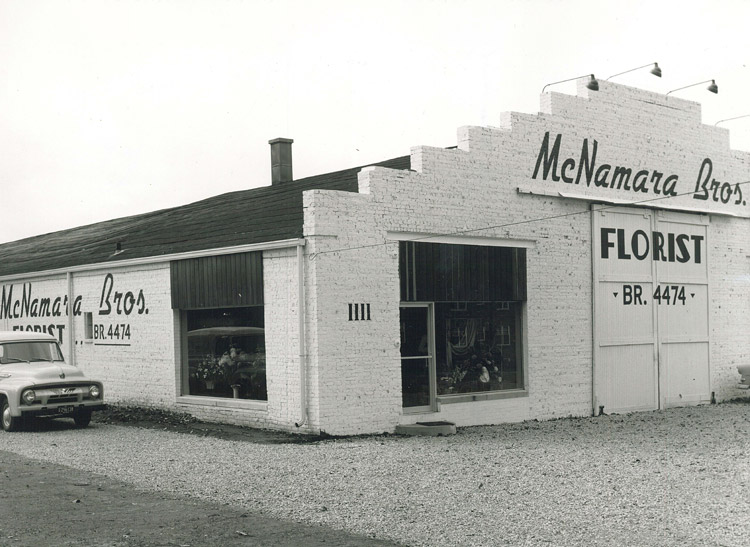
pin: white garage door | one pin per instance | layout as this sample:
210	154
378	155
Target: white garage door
650	309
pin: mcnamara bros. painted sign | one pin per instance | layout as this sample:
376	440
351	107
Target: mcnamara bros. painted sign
585	169
27	310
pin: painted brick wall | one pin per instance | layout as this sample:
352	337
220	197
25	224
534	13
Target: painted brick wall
729	290
355	364
280	294
133	350
474	191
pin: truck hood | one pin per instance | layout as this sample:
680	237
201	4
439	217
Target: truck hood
40	372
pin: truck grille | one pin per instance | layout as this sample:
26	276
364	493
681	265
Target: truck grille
54	399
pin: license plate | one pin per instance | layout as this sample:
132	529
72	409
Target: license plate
65	409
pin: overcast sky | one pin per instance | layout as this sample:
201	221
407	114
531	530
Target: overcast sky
114	108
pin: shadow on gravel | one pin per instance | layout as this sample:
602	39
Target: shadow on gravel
178	422
41	425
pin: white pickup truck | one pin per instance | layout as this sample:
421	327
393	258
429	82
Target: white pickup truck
36	381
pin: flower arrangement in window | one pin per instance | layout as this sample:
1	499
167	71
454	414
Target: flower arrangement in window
210	369
477	373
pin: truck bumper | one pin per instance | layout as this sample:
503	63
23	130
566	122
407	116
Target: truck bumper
61	410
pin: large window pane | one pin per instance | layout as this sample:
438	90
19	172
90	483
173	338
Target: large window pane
414	332
478	347
226	353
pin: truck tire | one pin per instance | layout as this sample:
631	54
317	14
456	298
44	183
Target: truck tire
10	423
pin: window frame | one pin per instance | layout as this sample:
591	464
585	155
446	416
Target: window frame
521	339
432	406
521	350
182	371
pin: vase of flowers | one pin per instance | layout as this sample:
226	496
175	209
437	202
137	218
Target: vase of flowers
210	370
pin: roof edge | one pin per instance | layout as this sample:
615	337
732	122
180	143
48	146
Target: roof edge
266	246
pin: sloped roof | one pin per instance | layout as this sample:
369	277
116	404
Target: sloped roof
258	215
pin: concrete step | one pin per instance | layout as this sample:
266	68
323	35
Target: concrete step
431	429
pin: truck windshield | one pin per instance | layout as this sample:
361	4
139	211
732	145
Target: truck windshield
13	352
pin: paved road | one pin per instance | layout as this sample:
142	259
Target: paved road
43	504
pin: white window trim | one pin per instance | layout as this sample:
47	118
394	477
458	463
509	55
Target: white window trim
460	239
222	402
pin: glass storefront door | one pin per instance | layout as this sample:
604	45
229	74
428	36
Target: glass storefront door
417	351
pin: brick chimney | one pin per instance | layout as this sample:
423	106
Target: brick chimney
281	160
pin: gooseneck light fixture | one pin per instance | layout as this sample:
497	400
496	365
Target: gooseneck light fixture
712	87
656	71
735	118
592	84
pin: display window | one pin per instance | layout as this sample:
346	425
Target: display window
477	347
461	322
226	353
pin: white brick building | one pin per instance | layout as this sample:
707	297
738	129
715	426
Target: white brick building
595	256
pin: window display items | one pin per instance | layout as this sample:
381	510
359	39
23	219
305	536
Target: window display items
226	359
479	349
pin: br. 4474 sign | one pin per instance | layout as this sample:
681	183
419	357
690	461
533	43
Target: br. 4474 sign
670	295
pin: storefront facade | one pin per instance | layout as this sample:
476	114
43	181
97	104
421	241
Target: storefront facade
591	258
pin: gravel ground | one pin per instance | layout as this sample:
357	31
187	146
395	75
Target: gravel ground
670	478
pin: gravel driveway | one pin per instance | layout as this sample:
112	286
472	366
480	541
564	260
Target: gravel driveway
671	478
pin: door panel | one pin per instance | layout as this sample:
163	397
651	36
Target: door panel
685	369
683	313
623	318
628	378
625	366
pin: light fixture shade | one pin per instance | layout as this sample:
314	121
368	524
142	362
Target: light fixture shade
592	84
712	87
655	70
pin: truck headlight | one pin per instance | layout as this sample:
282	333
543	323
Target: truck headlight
28	396
94	392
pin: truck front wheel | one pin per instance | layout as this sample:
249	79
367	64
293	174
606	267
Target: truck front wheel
10	423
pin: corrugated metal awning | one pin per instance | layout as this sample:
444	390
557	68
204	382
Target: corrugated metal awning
217	281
